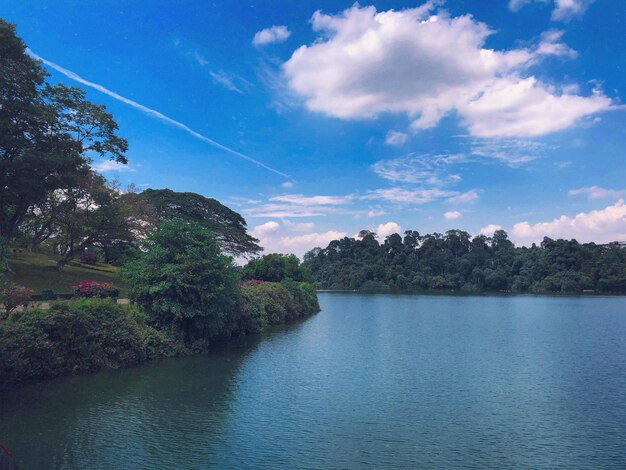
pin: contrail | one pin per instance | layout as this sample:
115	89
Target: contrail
152	112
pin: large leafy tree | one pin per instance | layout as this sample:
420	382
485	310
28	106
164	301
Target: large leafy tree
184	282
47	135
227	225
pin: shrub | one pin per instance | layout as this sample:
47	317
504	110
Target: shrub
13	296
89	289
272	303
75	337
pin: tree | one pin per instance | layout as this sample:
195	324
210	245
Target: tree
46	133
275	268
89	213
184	282
227	225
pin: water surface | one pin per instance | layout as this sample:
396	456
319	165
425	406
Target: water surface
373	381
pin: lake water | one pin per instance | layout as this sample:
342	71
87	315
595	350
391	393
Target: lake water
372	381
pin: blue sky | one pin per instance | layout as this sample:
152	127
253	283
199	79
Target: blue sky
336	117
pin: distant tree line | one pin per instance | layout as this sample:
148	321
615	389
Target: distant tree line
456	261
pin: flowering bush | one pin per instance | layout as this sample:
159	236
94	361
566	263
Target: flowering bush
14	296
88	257
95	289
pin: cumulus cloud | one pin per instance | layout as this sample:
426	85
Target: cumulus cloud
273	240
311	240
489	230
384	230
596	192
396	138
271	35
452	215
601	226
464	198
263	230
426	65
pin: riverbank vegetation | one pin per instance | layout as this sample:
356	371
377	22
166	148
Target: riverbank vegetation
456	261
67	233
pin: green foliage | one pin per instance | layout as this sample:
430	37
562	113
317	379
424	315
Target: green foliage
70	337
12	296
457	261
273	303
184	282
228	226
46	135
275	267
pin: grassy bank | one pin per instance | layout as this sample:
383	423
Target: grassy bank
39	272
87	335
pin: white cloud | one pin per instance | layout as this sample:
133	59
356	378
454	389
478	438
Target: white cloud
551	44
227	81
489	230
452	215
408	196
311	240
365	63
273	241
564	10
384	230
287	184
513	106
464	198
298	205
596	192
300	199
298	226
396	138
265	229
511	152
601	226
376	212
110	165
423	169
567	9
271	35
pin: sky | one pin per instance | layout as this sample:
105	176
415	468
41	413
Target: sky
318	119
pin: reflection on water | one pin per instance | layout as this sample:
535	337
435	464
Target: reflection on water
375	381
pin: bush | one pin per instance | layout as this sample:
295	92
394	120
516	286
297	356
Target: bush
273	303
75	337
13	296
89	289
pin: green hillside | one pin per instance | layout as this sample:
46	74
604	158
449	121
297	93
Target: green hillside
38	271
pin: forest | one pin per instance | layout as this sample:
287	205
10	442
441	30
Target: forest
456	261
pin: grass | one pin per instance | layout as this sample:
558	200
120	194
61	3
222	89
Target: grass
38	271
